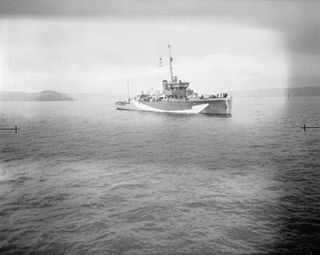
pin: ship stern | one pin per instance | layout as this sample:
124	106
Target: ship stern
221	106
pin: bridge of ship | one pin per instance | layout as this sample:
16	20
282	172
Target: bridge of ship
175	89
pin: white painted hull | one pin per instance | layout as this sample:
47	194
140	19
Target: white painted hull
218	106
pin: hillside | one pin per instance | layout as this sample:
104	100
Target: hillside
47	95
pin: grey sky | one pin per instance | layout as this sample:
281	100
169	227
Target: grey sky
76	43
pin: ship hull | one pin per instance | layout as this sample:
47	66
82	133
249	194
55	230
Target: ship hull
218	106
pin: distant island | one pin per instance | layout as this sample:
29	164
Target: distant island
50	95
46	95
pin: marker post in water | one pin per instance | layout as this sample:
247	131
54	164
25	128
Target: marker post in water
15	129
305	127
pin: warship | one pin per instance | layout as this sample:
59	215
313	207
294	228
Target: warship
177	97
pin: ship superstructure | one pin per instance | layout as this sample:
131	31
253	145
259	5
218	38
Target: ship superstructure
176	97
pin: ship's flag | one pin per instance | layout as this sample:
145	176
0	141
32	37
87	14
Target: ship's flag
160	62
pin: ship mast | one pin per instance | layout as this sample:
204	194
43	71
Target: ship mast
170	61
128	89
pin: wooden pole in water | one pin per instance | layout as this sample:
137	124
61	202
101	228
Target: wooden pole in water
305	127
8	129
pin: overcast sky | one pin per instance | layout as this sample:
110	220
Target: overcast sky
96	46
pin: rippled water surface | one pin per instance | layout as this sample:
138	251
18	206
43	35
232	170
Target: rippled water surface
83	178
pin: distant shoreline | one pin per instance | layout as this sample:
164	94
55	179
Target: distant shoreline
49	95
46	95
283	92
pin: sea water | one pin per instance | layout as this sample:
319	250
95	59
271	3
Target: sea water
83	178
